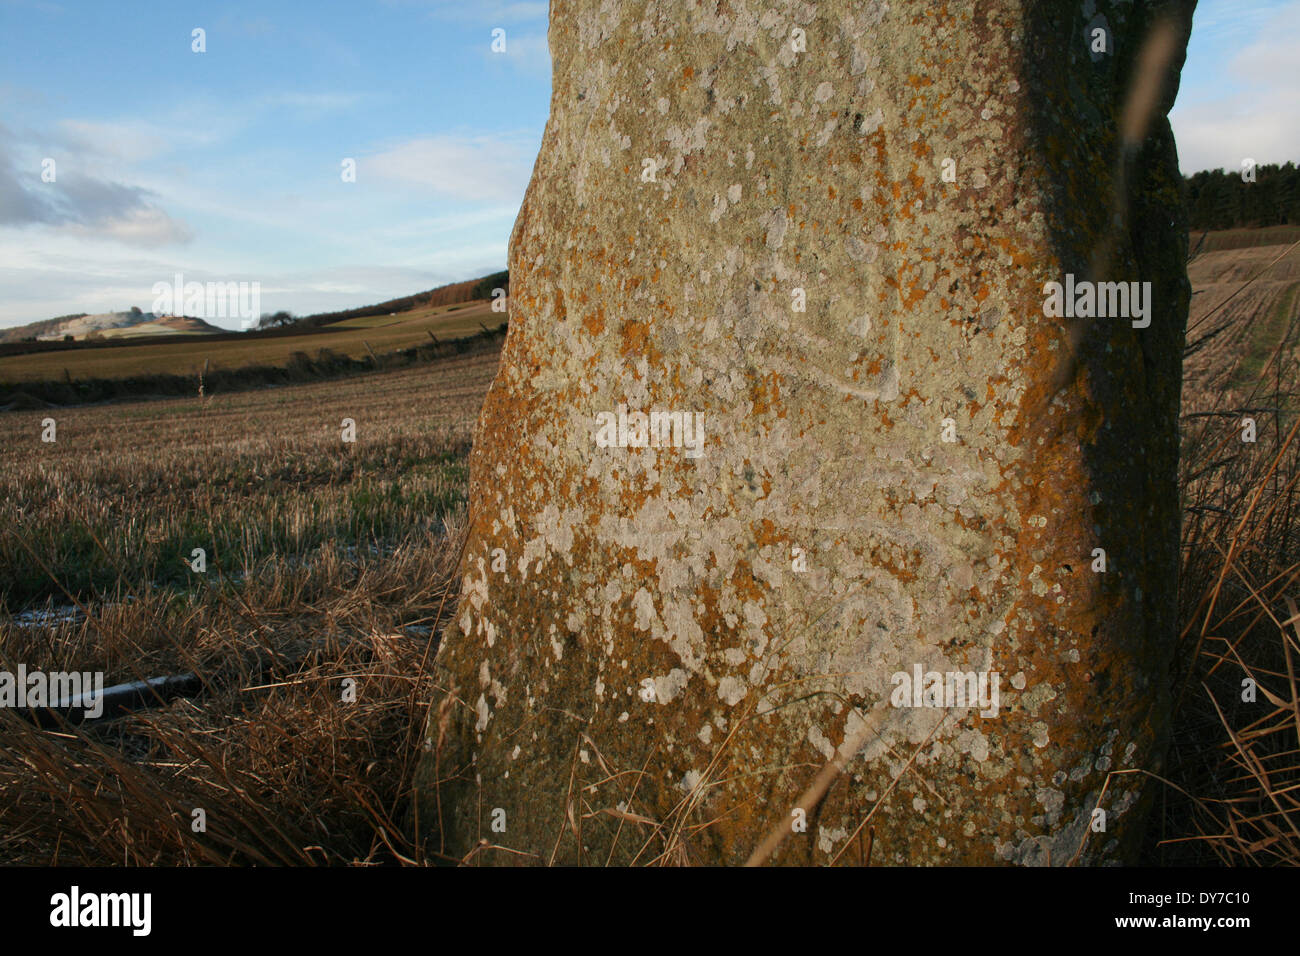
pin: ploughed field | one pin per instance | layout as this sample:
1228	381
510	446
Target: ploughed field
262	480
1244	307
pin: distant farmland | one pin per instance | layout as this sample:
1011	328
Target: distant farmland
187	354
1243	238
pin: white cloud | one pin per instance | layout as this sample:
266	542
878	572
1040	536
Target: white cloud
128	141
136	140
80	204
67	271
139	227
489	167
1257	118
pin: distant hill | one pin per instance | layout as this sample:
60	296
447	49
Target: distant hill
471	290
115	325
33	330
107	325
163	325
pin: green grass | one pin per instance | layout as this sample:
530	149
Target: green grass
1267	331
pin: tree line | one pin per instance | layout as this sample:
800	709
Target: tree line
1221	199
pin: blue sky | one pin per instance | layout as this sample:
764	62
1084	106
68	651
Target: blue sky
1240	91
225	165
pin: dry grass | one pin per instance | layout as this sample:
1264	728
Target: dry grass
1234	765
285	770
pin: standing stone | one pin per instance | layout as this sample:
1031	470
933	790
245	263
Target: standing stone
822	236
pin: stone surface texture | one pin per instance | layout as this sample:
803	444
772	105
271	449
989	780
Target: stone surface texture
644	641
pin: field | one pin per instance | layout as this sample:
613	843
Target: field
1234	327
126	490
330	561
335	555
186	356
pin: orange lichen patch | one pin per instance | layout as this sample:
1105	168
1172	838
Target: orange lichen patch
1020	258
745	585
765	533
636	338
688	72
897	569
632	499
915	293
594	322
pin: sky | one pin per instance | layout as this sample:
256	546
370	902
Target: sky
1239	97
227	165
